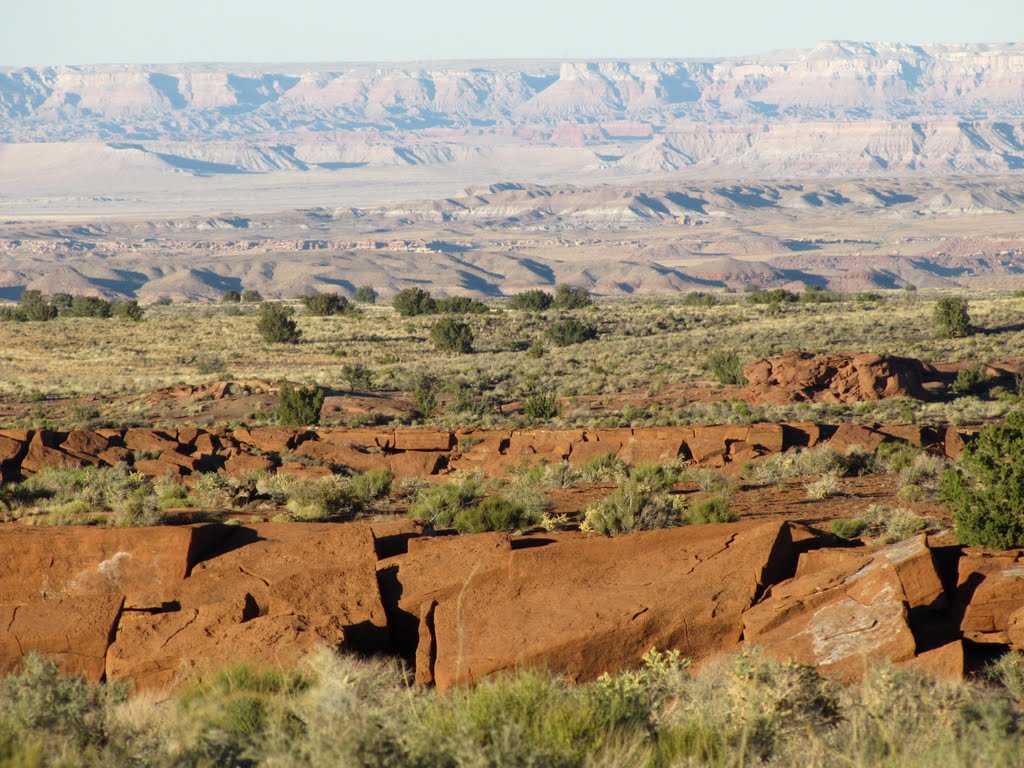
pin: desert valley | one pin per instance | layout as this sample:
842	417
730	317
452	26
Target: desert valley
541	413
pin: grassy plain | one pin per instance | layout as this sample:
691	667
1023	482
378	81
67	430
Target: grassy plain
646	367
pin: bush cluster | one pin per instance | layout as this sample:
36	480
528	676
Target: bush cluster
34	307
326	304
571	331
299	407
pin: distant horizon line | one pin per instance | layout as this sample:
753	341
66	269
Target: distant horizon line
540	60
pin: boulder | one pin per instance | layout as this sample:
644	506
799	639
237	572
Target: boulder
75	631
273	439
10	450
82	441
363	438
243	464
149	440
711	442
423	440
944	663
416	463
804	377
277	591
158	468
430	569
341	456
849	435
990	591
585	605
835	620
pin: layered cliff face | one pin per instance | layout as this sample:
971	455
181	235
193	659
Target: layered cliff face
844	81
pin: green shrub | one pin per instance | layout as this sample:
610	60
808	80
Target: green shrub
571	331
88	306
414	301
365	295
776	296
815	295
726	367
372	486
571	297
299	407
605	468
848	529
358	376
972	381
985	487
452	336
276	326
440	505
952	316
424	388
541	406
231	297
329	498
711	509
534	300
632	507
495	513
127	310
461	305
251	296
326	304
35	308
699	299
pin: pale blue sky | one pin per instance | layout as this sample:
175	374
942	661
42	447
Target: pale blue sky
92	31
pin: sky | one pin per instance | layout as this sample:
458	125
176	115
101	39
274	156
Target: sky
38	32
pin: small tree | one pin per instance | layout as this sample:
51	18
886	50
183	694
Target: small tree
365	295
326	304
357	375
299	407
231	297
128	310
571	331
414	301
985	488
251	296
534	300
452	336
88	306
571	297
952	316
276	326
33	306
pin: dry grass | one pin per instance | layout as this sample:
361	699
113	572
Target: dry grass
649	351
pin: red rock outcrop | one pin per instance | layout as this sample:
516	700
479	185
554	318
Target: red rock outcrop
804	377
582	606
845	609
